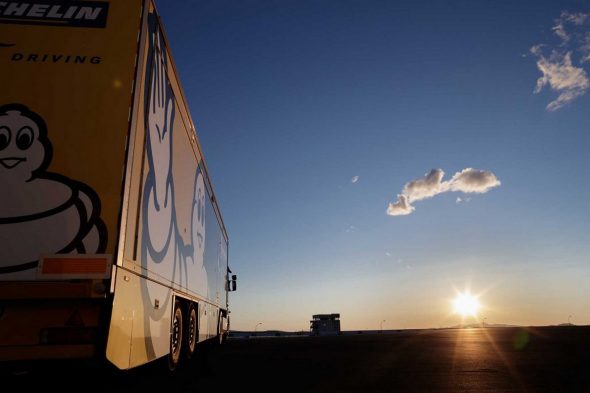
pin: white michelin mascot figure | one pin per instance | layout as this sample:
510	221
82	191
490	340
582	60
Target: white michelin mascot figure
195	253
41	213
164	252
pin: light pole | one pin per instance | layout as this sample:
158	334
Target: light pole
256	327
381	326
569	320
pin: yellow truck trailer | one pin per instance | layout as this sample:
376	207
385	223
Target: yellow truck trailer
111	240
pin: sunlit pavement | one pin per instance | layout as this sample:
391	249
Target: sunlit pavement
552	359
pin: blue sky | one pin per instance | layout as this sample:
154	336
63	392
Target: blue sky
293	99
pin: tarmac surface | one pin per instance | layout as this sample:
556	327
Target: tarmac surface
545	359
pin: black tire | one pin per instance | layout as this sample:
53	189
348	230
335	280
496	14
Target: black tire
176	334
192	331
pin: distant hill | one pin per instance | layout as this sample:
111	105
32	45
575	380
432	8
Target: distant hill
478	325
266	333
281	333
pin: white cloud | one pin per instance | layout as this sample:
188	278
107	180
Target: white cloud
577	19
563	77
559	73
427	187
468	180
400	208
354	179
473	180
537	49
559	31
585	48
462	200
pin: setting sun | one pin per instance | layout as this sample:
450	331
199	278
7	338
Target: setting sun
466	304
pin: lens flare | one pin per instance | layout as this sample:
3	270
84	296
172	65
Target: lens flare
466	304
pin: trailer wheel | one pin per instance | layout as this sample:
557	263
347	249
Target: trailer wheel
175	337
192	331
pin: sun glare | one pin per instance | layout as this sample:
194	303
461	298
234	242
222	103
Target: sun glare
466	305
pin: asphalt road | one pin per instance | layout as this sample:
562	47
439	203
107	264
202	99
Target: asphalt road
550	359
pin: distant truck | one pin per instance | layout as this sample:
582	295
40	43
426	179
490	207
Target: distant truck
111	240
325	325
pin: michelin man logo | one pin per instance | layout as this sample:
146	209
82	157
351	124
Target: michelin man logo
40	212
164	251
